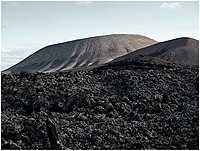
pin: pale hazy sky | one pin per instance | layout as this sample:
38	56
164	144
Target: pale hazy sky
29	26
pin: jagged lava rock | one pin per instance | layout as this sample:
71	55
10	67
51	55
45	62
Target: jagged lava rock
132	106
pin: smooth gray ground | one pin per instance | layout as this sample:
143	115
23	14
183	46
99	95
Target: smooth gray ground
183	51
81	53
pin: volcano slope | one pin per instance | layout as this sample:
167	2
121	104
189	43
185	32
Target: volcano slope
81	53
183	51
140	105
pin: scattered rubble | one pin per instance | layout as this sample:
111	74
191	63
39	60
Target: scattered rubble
134	106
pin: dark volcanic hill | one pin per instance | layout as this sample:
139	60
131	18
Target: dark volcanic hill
183	51
81	53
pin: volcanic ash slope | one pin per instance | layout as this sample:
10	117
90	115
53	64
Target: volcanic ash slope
183	51
81	53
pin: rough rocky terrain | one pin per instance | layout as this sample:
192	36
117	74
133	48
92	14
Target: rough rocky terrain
142	104
81	53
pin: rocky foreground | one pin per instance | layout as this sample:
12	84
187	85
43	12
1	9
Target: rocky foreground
133	106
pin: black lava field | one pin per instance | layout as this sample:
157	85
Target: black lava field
133	106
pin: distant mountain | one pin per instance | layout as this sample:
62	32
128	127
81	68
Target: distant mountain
81	53
183	51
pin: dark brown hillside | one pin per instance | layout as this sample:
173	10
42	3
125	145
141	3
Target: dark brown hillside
183	51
